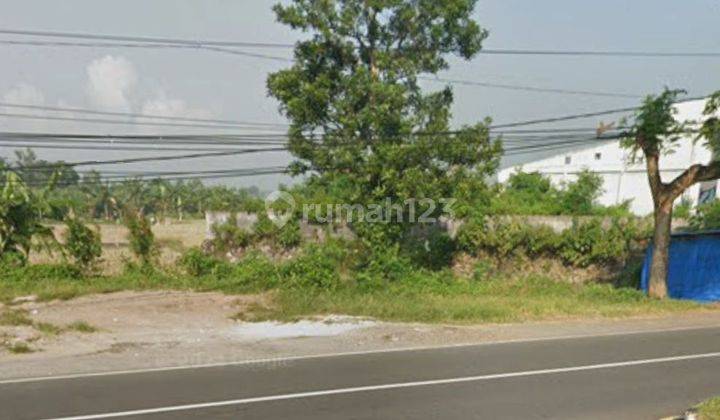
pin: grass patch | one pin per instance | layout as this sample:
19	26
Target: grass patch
82	327
48	328
18	348
710	409
494	301
15	318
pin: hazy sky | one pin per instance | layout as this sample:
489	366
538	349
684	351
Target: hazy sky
205	84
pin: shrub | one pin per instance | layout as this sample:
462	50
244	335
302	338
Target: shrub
141	237
197	264
579	197
589	243
21	213
505	238
381	267
707	217
289	236
433	249
83	244
229	236
471	234
318	266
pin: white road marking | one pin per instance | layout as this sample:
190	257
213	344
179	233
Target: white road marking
341	354
359	389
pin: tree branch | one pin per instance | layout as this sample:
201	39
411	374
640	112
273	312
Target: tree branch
693	174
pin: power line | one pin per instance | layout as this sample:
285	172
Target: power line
580	116
608	53
135	115
198	43
529	88
116	122
157	158
156	40
211	46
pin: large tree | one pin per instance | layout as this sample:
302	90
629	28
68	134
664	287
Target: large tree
655	131
359	117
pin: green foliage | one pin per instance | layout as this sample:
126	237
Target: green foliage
140	236
288	236
91	197
318	266
433	249
229	237
506	238
21	213
381	267
82	243
587	243
655	129
579	197
196	263
39	272
354	102
533	194
583	244
706	217
683	210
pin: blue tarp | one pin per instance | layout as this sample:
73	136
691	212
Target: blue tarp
694	269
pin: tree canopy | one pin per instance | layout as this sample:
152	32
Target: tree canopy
358	113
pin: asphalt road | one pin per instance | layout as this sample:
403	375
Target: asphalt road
633	376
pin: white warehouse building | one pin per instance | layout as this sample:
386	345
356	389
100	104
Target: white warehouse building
624	179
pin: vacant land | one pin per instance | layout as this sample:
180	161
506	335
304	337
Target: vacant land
312	284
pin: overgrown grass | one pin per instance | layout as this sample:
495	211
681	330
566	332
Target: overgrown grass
335	279
493	301
710	409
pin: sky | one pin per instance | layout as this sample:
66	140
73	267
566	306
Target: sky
203	84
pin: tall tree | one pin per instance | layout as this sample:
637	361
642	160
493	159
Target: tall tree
358	114
656	131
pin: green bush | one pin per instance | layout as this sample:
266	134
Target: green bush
229	236
583	244
589	243
289	236
320	266
83	244
197	263
707	217
433	249
382	266
506	238
141	237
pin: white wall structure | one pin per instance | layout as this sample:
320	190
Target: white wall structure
623	178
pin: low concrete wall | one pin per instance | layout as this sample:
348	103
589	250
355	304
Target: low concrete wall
311	232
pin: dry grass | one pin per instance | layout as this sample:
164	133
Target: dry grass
172	238
710	409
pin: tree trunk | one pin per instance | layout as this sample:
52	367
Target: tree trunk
657	286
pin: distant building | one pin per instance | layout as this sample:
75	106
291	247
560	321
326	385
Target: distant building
625	179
